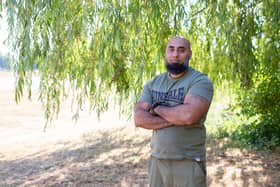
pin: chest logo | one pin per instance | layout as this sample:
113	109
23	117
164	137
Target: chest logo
175	95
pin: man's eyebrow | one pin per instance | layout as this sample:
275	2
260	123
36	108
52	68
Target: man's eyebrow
180	47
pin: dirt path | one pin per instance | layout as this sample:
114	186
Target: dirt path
107	153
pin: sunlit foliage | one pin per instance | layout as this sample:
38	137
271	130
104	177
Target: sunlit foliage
106	49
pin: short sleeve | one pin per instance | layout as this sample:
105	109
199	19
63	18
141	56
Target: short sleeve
146	95
202	87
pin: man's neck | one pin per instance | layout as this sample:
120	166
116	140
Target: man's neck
177	76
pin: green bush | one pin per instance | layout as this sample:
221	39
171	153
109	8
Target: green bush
263	104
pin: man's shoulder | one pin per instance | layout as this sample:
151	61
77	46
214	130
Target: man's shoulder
159	77
155	80
198	75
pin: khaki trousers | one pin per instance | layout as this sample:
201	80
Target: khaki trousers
176	173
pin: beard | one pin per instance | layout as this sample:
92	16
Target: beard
177	68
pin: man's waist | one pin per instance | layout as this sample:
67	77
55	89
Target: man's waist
198	157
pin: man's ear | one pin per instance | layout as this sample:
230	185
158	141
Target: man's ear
190	54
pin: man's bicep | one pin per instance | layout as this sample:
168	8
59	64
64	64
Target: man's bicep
199	105
203	88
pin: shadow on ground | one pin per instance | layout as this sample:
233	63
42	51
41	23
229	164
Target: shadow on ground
105	157
119	157
232	166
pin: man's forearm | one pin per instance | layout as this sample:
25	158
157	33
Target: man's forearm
146	120
189	113
178	115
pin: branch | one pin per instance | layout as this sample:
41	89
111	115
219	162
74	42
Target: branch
199	11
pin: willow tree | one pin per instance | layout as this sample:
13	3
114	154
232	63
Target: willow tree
107	48
103	49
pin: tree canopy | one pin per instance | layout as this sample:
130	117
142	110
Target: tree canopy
108	48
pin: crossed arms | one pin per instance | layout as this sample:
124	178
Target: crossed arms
188	113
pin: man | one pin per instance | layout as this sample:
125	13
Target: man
174	105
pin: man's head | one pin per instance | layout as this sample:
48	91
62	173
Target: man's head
177	55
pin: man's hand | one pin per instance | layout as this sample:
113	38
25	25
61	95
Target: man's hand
152	109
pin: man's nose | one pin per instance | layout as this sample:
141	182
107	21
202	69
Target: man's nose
175	53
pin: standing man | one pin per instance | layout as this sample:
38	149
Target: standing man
174	105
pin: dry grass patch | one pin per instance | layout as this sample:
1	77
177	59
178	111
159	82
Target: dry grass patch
119	157
109	157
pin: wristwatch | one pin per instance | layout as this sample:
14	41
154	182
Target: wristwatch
152	109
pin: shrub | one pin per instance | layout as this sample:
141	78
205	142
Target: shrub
263	104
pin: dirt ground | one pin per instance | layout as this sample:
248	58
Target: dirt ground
109	152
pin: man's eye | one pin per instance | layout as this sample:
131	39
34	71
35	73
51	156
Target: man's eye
171	49
181	50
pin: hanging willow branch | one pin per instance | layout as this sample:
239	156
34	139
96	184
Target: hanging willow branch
103	49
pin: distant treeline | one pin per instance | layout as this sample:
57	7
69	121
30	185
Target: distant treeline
5	63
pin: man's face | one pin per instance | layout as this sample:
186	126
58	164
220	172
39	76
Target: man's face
177	51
